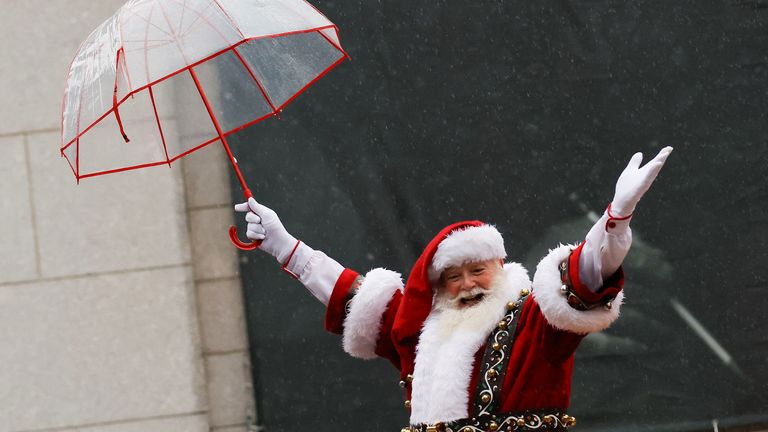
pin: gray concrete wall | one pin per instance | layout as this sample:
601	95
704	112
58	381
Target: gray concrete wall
120	302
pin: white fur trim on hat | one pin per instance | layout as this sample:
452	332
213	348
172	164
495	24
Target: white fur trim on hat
472	244
552	302
363	322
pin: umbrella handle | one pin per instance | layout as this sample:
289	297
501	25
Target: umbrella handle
239	244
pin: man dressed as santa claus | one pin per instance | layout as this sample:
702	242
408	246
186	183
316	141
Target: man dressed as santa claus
479	346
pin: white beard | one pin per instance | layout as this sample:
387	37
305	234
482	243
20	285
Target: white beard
472	318
449	340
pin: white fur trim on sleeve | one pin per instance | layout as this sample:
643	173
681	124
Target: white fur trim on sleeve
363	322
472	244
546	291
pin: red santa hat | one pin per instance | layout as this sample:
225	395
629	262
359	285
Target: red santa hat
456	244
473	243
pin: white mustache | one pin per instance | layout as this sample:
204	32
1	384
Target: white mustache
453	302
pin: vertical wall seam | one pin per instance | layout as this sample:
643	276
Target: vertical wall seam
32	212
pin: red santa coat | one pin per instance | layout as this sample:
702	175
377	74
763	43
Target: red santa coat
541	359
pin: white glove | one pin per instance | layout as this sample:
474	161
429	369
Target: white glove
314	269
263	224
635	181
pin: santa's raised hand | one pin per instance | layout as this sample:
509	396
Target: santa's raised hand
264	224
635	180
292	254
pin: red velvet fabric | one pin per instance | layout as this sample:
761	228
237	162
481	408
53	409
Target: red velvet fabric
610	287
334	314
540	365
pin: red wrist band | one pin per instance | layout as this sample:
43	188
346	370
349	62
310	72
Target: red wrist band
284	267
614	217
611	218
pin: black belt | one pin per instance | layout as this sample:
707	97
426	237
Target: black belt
548	421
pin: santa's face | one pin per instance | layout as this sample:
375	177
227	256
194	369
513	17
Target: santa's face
466	285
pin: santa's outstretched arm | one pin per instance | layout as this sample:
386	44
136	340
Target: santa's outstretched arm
607	243
317	271
579	288
358	307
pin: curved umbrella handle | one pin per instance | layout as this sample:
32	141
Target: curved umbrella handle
239	244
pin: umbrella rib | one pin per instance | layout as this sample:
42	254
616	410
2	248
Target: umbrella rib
194	149
175	39
253	75
122	38
201	16
181	18
152	46
194	26
117	170
67	94
314	80
332	43
122	47
194	21
159	126
146	51
231	21
147	40
77	145
148	22
198	14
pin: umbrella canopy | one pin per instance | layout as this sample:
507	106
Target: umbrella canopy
246	59
127	70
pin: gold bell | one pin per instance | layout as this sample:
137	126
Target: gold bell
492	426
521	422
409	378
496	346
485	398
608	305
466	429
406	429
511	305
524	292
503	324
407	403
492	373
568	421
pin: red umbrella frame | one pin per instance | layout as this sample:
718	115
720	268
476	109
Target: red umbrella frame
246	59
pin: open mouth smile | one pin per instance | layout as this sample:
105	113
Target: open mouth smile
469	301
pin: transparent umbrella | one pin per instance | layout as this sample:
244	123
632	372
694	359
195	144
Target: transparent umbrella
125	74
